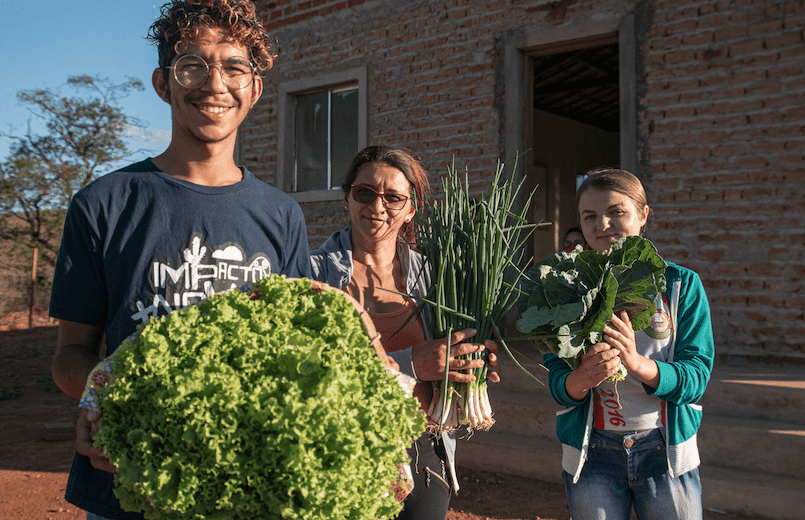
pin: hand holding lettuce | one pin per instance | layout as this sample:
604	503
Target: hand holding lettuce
269	404
568	298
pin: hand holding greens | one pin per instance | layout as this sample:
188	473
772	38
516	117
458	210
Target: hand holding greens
264	405
470	246
568	298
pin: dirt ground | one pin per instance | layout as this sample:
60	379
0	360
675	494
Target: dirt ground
37	446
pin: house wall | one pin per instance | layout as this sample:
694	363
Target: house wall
721	122
720	131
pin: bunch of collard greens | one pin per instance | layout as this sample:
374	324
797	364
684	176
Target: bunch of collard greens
568	298
264	408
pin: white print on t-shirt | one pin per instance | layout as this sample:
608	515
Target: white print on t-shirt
202	270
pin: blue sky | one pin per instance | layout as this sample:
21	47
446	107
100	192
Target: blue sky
42	42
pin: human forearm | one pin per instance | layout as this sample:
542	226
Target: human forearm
645	370
77	353
577	386
70	368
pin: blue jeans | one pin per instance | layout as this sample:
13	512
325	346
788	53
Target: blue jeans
626	470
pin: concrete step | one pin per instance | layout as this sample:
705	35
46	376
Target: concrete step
733	442
757	391
516	412
755	494
736	388
753	446
515	379
736	442
751	439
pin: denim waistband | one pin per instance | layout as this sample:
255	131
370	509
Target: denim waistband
627	439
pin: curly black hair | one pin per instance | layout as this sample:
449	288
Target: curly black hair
182	19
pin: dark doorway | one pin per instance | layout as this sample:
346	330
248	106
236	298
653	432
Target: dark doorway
574	126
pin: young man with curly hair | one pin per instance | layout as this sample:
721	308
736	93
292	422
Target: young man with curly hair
171	230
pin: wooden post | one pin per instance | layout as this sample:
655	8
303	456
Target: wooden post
33	290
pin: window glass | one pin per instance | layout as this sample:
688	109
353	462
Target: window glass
312	128
345	133
326	138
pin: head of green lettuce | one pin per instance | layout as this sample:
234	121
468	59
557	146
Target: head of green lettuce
265	404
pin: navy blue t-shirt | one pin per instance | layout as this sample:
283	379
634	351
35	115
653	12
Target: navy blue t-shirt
139	243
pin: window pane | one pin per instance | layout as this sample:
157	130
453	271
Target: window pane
344	132
311	142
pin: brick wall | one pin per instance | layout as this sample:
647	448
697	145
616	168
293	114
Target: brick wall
722	116
721	124
434	79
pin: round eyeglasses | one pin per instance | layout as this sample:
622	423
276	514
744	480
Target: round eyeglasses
367	195
191	71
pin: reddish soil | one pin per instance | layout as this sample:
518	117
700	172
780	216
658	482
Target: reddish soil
37	445
37	442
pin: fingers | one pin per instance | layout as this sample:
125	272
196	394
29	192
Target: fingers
86	427
93	416
429	357
465	364
601	353
621	337
461	335
462	349
597	349
459	377
621	322
391	364
492	347
468	364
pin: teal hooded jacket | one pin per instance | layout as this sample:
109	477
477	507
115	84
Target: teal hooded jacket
683	379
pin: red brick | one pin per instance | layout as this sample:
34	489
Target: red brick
715	108
695	152
729	32
746	47
713	255
788	161
786	40
716	20
765	27
754	316
699	38
795	303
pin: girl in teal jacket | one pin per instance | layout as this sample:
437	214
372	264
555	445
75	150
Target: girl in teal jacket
633	443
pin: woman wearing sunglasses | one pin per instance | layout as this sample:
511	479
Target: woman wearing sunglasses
382	189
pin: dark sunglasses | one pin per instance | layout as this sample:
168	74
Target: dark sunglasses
367	195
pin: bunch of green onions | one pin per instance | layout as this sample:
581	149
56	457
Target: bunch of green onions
470	247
